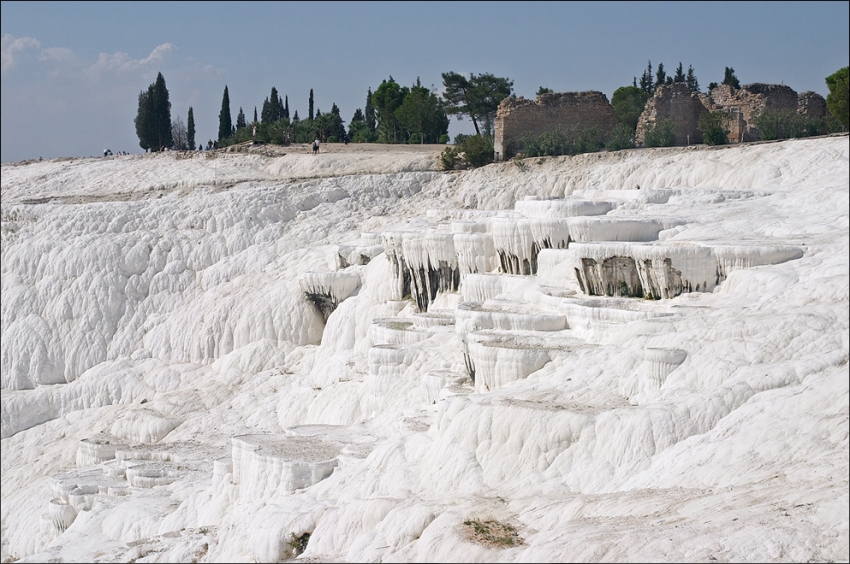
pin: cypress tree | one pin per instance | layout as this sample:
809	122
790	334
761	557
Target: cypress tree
144	116
240	119
224	122
190	131
660	76
161	115
371	122
286	108
266	114
275	107
730	78
255	114
691	80
646	79
680	74
310	110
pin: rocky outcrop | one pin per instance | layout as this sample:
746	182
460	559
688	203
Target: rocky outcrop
677	104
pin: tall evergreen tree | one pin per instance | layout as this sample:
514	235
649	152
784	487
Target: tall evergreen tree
255	115
295	118
240	119
144	118
337	129
310	110
660	76
646	79
190	129
691	80
224	122
266	114
286	108
680	74
730	78
369	113
153	119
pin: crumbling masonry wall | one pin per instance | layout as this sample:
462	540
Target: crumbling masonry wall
676	103
517	117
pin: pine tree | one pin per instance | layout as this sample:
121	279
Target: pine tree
310	111
224	122
240	119
680	74
371	122
295	118
286	108
660	75
190	129
691	80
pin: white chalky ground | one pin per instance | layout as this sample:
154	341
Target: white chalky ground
171	391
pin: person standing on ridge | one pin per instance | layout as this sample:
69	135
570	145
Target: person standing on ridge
316	146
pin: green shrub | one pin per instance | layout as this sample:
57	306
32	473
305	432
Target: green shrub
784	124
414	139
444	138
450	159
477	150
460	138
621	137
712	125
662	134
556	142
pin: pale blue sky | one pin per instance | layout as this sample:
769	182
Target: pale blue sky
71	72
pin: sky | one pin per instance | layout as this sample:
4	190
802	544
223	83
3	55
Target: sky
72	71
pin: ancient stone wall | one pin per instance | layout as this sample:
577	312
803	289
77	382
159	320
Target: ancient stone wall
568	111
811	104
676	103
749	101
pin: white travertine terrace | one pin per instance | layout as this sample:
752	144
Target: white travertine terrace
476	253
433	318
436	382
97	449
505	315
265	465
533	207
396	331
154	302
662	362
327	289
518	241
663	270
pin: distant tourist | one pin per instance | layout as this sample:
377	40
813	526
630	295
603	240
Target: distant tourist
316	146
105	152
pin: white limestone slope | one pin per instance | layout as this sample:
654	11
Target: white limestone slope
171	393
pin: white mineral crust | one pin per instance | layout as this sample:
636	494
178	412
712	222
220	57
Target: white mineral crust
171	394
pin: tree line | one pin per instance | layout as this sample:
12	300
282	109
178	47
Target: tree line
416	114
391	114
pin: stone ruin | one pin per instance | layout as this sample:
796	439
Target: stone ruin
575	111
676	103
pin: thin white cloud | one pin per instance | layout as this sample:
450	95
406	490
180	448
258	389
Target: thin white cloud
122	62
57	54
12	45
158	53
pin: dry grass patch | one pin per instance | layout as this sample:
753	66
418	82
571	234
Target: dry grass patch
492	533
